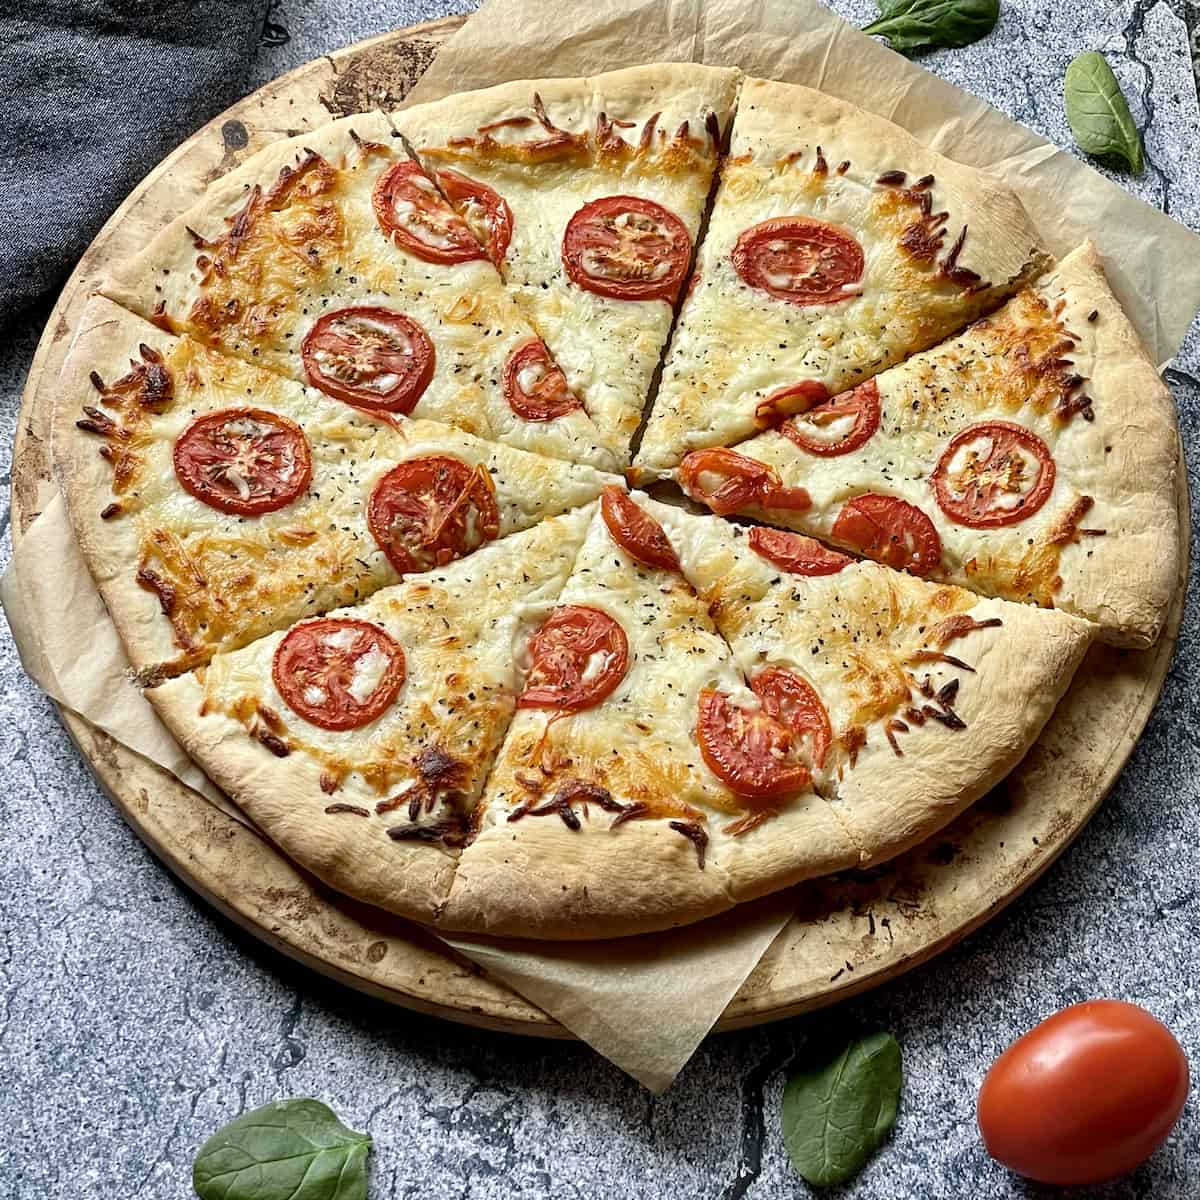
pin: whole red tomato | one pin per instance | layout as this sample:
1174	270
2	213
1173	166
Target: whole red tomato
1084	1096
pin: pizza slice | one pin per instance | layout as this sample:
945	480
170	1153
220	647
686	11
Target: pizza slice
215	501
332	259
925	695
359	741
588	194
837	246
638	767
1033	457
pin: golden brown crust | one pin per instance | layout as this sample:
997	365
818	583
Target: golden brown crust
538	878
1021	669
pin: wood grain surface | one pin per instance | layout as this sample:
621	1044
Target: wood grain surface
850	932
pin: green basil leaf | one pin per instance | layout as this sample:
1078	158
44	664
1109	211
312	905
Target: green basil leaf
1098	112
286	1150
910	24
836	1116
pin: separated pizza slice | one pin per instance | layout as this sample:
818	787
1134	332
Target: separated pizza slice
588	194
359	741
216	502
925	695
635	777
332	259
1033	457
837	246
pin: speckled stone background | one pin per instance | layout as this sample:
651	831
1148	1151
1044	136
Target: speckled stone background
134	1020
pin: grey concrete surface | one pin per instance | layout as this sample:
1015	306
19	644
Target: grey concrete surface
134	1020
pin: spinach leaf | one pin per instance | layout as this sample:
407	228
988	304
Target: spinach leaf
834	1117
909	24
1098	113
286	1150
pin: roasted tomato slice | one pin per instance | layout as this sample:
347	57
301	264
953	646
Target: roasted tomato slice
372	358
414	215
627	248
800	260
839	425
992	474
336	673
243	460
791	699
726	481
429	511
754	753
635	530
795	553
578	656
796	397
891	531
534	385
484	210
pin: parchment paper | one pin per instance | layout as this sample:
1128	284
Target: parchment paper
604	991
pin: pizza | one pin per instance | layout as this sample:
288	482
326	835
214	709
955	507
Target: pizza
333	259
837	246
215	501
358	741
1032	457
337	447
615	770
922	695
588	195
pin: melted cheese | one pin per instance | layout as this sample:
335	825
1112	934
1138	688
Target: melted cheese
456	627
609	349
295	255
1028	363
230	579
734	345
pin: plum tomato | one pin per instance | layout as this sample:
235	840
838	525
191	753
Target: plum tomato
1085	1096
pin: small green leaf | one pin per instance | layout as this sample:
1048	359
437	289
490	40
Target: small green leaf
286	1150
910	24
1098	112
835	1116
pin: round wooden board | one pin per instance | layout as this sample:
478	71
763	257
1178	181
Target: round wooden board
850	933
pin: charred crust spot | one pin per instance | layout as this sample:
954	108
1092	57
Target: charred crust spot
152	581
563	802
695	834
453	832
820	167
273	742
843	166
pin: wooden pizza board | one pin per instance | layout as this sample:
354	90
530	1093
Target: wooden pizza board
850	933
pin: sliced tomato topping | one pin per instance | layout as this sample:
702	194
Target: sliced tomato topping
839	425
992	474
795	553
338	673
579	656
415	217
751	751
429	511
791	699
800	260
485	211
373	358
891	531
243	460
796	397
627	248
635	530
534	385
726	481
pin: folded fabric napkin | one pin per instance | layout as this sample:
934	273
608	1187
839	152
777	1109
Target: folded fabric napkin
95	93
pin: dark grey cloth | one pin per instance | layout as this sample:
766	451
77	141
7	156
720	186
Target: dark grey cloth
95	93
